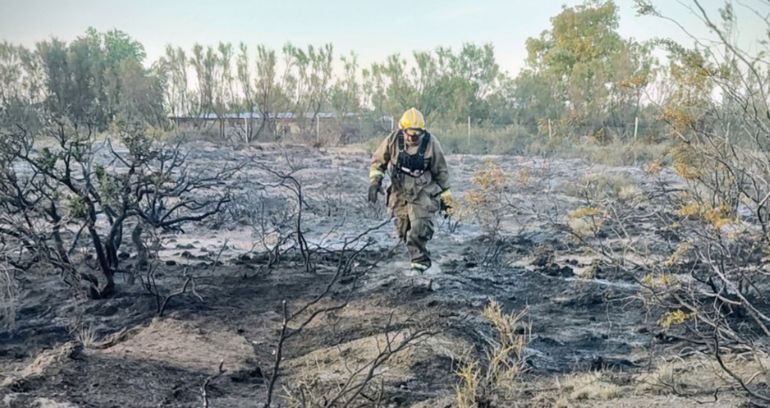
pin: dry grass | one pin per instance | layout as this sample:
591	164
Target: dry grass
86	336
485	200
616	153
8	298
495	378
42	362
466	390
590	386
661	380
677	382
701	375
186	344
601	185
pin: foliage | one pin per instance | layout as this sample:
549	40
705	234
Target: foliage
55	182
493	380
581	78
486	199
581	73
98	78
308	81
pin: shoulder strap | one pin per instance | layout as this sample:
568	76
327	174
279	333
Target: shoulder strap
400	139
424	144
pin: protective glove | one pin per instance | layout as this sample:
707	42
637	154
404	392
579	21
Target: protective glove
445	207
374	189
446	203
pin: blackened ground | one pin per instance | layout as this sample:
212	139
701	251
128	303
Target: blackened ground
117	353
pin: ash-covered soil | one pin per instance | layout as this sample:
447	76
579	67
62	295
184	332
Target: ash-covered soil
117	352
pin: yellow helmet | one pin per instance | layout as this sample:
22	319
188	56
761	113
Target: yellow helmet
413	119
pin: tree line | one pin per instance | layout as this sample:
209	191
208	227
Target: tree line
581	78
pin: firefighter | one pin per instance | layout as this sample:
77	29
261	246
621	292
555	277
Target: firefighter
419	183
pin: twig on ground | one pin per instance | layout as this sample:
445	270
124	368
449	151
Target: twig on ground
209	379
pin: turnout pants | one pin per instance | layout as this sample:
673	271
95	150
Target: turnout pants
414	223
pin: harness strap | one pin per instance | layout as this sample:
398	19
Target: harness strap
423	143
413	173
404	166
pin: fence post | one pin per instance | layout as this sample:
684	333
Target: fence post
550	131
469	130
636	127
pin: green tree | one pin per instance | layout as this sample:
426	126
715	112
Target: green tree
269	96
21	75
142	97
87	80
177	94
392	86
374	96
582	70
446	86
74	81
223	85
346	95
247	95
203	63
309	79
476	76
121	56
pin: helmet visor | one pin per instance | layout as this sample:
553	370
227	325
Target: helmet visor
414	132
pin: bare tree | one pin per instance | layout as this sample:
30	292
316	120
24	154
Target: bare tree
719	114
309	77
270	98
247	94
355	387
80	193
345	100
177	93
223	86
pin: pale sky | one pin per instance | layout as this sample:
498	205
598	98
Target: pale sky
373	29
